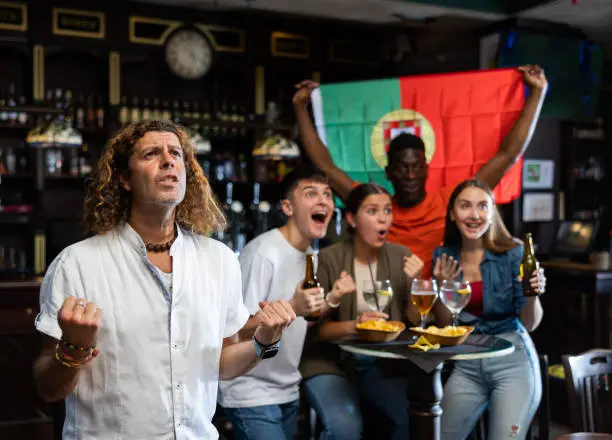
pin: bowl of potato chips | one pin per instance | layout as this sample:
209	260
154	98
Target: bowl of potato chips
380	331
448	335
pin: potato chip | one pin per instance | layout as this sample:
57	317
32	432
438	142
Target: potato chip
424	345
446	331
379	325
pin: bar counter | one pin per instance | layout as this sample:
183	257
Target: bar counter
22	413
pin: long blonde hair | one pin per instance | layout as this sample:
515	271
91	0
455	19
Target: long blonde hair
497	238
107	203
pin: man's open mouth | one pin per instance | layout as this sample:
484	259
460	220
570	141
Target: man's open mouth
319	217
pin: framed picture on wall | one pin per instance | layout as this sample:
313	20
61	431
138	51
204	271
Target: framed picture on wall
538	174
538	207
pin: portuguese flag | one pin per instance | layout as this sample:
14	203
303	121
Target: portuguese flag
461	117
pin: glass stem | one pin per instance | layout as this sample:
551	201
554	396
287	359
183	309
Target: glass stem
423	320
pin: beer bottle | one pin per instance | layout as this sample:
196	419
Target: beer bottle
310	281
528	266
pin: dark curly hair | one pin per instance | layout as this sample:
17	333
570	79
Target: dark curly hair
107	203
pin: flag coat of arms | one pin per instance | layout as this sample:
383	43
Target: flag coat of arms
461	117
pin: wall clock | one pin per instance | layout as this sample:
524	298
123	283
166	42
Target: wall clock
188	53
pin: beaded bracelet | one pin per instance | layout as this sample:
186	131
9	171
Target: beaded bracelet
76	347
70	362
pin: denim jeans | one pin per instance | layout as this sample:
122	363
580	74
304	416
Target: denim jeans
385	392
509	386
266	422
336	403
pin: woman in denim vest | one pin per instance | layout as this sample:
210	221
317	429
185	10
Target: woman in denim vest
478	248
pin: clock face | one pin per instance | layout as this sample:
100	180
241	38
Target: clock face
188	54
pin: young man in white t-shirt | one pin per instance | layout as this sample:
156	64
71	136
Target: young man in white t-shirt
263	404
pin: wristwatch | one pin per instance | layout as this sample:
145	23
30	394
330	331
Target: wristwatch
265	351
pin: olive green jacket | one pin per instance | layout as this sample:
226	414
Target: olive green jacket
320	357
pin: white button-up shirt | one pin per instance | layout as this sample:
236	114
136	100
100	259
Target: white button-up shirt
157	373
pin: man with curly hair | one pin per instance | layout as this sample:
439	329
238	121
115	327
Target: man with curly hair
171	298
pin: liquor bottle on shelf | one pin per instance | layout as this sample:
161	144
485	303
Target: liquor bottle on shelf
229	170
23	117
100	112
156	113
227	209
254	213
242	118
67	102
11	162
124	112
195	111
84	161
58	101
3	113
74	162
176	111
242	175
219	168
229	193
2	169
207	127
90	119
166	110
260	212
204	161
234	118
223	117
135	113
254	207
238	225
23	159
79	112
11	102
206	116
146	110
186	111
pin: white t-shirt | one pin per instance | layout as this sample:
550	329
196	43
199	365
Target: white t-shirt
271	269
157	374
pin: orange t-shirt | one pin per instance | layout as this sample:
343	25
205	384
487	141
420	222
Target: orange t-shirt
421	228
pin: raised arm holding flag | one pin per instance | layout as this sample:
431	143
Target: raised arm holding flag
428	133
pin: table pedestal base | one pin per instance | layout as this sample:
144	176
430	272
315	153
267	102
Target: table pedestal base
425	396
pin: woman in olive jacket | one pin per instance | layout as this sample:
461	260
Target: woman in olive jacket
356	260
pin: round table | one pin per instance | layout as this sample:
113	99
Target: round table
425	392
503	349
585	436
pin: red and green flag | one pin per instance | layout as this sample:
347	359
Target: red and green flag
461	117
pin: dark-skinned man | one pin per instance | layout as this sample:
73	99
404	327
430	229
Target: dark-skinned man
418	216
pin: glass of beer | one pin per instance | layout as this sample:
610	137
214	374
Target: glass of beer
424	294
455	295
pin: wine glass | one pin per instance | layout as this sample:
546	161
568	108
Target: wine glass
369	294
384	293
455	295
424	294
377	294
